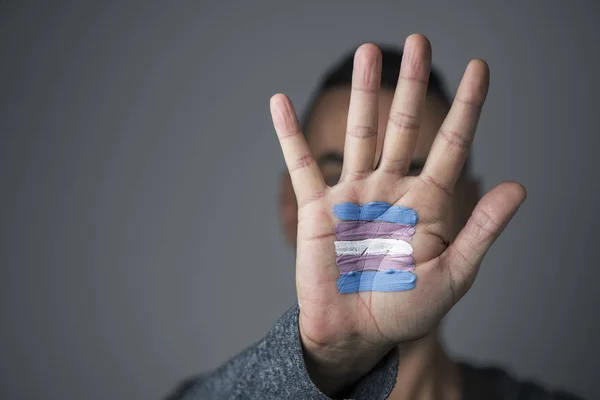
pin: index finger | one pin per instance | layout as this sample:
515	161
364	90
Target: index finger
453	141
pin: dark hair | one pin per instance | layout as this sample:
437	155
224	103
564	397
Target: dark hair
340	75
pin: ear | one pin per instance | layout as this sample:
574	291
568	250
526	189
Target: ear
473	193
288	209
466	197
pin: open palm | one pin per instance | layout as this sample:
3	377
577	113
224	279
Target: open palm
359	328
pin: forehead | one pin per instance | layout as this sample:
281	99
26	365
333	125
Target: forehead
326	128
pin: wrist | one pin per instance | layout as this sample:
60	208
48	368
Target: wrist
334	365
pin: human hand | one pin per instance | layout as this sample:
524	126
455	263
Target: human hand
345	335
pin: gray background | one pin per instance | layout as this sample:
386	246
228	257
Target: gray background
136	140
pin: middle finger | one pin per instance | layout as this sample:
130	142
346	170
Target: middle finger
407	107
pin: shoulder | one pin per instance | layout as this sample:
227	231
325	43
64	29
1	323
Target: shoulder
184	387
497	384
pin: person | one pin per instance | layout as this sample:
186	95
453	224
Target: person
380	128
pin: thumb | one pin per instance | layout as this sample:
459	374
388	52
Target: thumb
489	218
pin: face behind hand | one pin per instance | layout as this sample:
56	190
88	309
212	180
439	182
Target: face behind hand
326	132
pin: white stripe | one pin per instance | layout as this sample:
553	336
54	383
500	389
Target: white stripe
377	246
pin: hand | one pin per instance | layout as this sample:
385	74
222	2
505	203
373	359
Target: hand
345	335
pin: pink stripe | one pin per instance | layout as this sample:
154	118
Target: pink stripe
359	230
374	263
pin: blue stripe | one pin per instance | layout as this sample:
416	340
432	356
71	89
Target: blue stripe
375	211
388	281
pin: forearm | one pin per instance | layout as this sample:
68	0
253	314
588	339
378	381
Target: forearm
275	368
336	370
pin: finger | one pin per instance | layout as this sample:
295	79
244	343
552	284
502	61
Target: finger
361	127
407	107
488	220
306	176
453	141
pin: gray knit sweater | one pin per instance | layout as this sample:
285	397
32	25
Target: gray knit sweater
273	368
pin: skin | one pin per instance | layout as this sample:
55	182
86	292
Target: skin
380	135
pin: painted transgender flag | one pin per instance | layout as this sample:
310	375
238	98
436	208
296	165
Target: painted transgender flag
373	250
